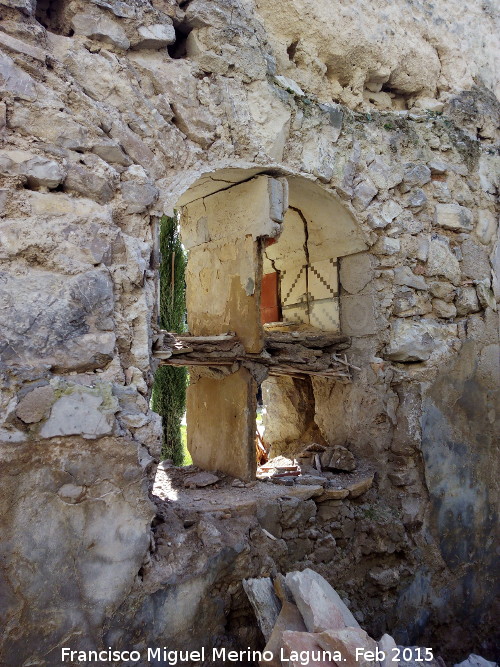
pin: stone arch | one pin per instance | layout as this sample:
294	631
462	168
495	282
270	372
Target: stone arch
228	220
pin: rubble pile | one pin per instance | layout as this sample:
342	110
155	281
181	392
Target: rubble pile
303	618
334	469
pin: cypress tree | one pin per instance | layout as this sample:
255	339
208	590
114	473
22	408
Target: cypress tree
169	389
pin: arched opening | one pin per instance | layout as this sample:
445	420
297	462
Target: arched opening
263	252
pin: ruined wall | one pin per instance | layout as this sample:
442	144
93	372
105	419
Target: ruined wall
110	111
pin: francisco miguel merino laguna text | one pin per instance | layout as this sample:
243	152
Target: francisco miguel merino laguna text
177	657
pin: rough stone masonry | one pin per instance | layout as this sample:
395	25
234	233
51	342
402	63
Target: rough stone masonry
111	111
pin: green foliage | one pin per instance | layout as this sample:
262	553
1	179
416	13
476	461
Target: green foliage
169	389
172	293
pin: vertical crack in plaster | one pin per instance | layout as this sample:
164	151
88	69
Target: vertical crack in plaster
306	250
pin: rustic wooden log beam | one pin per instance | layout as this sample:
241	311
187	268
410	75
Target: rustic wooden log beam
283	354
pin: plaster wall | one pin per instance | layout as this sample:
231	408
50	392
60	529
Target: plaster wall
221	423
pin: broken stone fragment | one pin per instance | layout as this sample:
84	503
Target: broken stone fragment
442	290
208	533
441	261
310	480
265	603
437	167
71	493
26	6
42	172
474	260
138	196
201	479
290	85
403	275
357	488
15	81
101	29
387	246
387	645
119	8
385	579
466	301
155	36
348	642
341	459
319	604
417	175
364	192
304	492
331	493
486	225
89	184
80	413
299	644
111	152
384	176
409	341
443	309
453	216
485	294
417	199
390	210
34	406
289	619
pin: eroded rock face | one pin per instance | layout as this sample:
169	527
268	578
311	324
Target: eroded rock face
108	115
58	531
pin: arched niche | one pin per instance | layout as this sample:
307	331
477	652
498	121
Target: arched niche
236	224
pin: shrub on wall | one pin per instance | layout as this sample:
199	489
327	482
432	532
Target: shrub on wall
169	389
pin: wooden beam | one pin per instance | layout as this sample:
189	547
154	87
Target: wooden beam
298	354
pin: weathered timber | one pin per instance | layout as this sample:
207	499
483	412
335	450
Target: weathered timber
307	339
299	354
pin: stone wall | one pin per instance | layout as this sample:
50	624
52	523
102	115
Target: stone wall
109	112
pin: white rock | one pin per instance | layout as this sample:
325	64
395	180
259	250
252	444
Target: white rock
387	644
383	175
466	301
289	84
155	36
419	174
387	246
443	308
441	261
486	226
101	29
14	80
364	192
485	294
409	341
320	605
403	275
390	210
453	216
437	167
42	172
71	493
78	413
